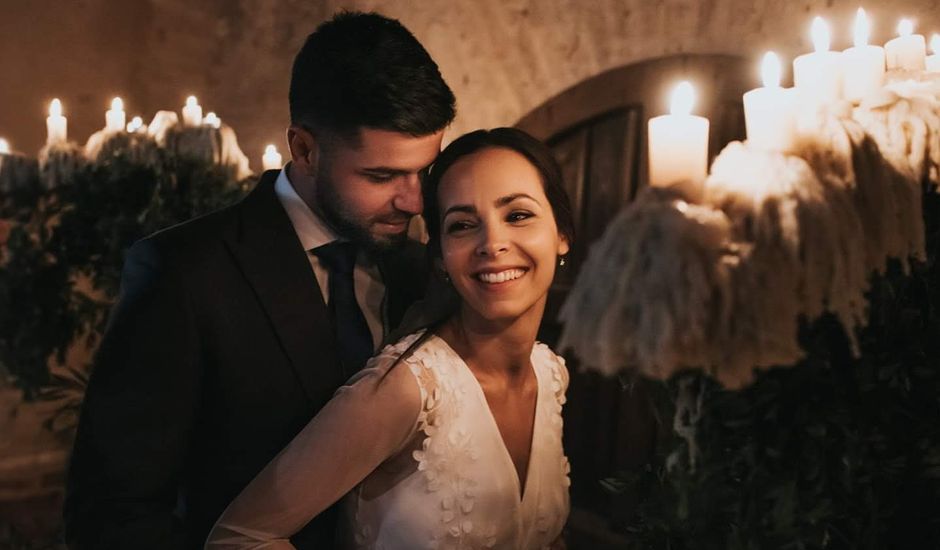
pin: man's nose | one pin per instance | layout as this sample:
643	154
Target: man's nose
408	199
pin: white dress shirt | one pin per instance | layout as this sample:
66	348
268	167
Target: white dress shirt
314	232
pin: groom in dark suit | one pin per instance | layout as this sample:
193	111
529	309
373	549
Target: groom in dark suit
234	329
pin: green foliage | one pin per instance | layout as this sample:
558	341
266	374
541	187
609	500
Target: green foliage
835	452
61	264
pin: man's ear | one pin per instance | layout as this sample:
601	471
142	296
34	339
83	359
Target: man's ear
304	149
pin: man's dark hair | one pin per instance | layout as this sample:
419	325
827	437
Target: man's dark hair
364	69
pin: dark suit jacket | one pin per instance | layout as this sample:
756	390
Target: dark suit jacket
218	352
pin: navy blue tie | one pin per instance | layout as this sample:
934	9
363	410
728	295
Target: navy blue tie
352	331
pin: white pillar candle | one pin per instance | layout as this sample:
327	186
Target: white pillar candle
56	124
192	112
907	51
115	119
271	159
769	112
817	76
4	147
212	120
863	67
678	144
933	61
136	125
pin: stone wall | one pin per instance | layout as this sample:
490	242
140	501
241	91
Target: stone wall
502	57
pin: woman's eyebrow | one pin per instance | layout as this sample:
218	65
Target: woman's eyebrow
503	201
466	208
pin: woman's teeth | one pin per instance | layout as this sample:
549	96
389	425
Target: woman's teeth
502	276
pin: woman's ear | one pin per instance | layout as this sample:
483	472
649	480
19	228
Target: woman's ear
563	246
304	149
439	267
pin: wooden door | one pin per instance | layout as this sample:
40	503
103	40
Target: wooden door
597	130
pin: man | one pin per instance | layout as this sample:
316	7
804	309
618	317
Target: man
234	329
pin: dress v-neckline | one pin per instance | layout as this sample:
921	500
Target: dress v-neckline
522	487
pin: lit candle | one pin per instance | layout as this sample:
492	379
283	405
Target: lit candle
271	159
933	61
56	124
908	50
4	147
678	144
769	112
115	118
863	67
816	76
135	125
192	112
212	120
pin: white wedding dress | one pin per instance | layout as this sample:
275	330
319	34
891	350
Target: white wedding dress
450	481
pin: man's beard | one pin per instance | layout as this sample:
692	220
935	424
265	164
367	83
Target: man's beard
348	225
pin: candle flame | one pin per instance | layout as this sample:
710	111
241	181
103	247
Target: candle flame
191	101
820	34
683	97
212	120
135	124
117	104
862	28
4	147
770	70
935	43
55	108
270	150
905	27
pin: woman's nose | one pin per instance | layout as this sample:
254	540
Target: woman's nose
493	242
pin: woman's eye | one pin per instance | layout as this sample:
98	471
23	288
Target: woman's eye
518	216
458	226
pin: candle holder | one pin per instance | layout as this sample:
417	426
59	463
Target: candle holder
218	146
59	162
19	189
17	173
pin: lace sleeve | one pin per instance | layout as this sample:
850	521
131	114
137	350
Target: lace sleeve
367	421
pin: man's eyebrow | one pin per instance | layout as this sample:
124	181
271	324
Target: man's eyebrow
391	170
384	170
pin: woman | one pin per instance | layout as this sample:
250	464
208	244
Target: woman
452	437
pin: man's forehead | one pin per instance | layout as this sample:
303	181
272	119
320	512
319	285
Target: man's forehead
388	148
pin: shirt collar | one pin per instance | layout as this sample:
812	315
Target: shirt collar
310	228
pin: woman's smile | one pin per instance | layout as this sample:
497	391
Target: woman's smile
500	277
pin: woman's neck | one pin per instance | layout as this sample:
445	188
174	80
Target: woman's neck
494	348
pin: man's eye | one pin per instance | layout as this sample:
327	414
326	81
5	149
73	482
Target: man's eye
379	178
518	216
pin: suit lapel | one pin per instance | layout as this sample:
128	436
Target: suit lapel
270	255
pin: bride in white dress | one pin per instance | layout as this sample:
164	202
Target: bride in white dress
451	438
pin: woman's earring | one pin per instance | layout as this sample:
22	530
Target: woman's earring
561	260
446	276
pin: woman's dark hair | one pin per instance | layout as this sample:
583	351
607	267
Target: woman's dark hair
503	138
364	69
